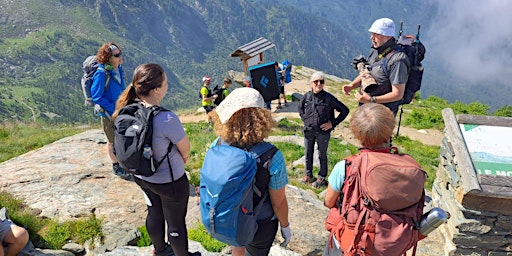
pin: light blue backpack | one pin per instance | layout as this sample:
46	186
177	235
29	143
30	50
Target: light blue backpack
228	191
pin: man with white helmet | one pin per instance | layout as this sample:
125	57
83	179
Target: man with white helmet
391	86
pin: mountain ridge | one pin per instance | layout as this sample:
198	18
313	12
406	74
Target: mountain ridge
41	50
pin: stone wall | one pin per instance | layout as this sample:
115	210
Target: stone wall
480	205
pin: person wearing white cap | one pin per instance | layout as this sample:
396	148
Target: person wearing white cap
241	120
206	95
391	85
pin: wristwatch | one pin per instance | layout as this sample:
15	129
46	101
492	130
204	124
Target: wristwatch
373	100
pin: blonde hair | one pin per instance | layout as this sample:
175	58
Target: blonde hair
372	124
245	128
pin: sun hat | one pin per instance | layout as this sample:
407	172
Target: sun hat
239	98
383	26
206	78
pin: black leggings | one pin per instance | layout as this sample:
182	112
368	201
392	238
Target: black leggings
168	204
263	239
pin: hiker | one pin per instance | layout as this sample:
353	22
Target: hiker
372	124
390	89
110	58
316	109
13	237
167	190
241	121
206	95
280	85
224	90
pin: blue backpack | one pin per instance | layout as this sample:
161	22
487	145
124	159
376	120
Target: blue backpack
233	189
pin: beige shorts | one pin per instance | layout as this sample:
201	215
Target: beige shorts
108	128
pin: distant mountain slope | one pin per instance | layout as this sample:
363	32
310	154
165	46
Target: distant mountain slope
43	43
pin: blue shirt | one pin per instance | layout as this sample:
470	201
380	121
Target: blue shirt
337	176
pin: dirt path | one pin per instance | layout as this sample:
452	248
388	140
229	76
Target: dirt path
430	137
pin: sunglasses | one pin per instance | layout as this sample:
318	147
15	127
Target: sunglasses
117	55
319	81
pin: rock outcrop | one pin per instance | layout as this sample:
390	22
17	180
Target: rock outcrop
72	178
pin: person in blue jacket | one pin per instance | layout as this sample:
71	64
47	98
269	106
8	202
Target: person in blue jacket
108	83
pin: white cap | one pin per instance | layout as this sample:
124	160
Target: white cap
239	98
206	78
383	26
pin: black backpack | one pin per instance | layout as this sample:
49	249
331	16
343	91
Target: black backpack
89	67
208	95
133	139
415	50
219	91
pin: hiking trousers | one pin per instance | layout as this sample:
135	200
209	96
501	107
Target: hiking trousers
167	203
321	138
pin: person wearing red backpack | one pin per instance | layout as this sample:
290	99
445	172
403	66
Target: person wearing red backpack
377	196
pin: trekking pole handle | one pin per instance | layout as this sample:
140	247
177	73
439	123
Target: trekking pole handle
400	31
418	35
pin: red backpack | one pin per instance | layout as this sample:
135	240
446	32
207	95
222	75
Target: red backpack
383	199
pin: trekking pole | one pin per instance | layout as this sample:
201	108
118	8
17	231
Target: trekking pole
399	119
400	31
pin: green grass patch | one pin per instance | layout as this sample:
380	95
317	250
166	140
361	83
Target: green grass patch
17	139
144	239
199	234
50	233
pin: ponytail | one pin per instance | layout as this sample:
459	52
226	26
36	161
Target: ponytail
128	96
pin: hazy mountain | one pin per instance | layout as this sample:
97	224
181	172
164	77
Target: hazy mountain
43	43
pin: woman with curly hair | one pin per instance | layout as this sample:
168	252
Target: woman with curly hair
242	121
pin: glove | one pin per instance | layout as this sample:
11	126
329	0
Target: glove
286	233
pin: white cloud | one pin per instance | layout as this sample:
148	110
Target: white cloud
473	39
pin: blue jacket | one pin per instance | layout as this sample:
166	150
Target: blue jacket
106	99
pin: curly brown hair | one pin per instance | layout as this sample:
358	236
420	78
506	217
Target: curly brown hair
104	52
247	127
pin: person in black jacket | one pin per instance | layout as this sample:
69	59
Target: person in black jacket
316	109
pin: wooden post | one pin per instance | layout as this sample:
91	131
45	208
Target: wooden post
465	166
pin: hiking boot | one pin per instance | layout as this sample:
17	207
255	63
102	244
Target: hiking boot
194	254
168	251
119	171
307	179
279	106
320	182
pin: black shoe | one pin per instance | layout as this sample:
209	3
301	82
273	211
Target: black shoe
320	182
194	254
307	179
165	252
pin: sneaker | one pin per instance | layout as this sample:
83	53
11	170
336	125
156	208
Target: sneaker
319	182
119	171
165	252
307	179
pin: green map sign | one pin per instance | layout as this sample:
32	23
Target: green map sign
490	148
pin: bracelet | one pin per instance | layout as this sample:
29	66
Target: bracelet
373	100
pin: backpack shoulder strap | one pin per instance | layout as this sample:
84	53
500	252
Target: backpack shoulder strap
264	152
108	77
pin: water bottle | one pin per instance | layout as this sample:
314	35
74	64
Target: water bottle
147	153
433	219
